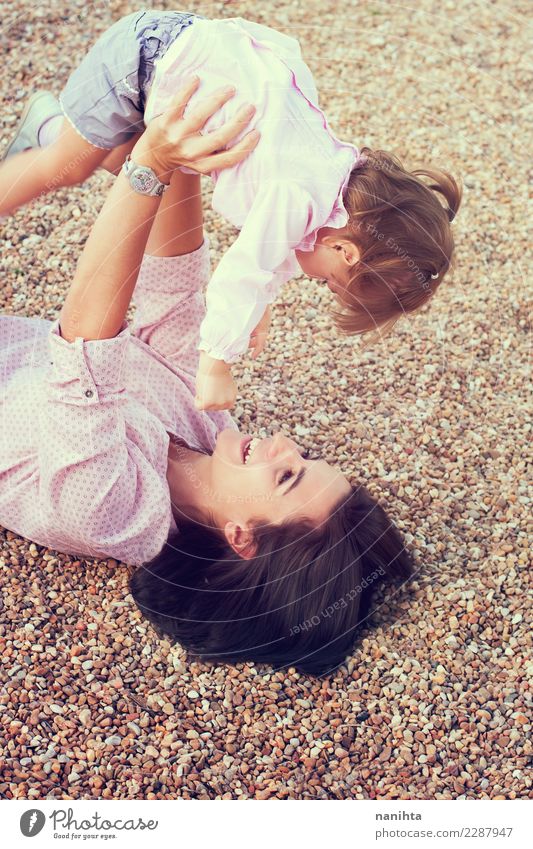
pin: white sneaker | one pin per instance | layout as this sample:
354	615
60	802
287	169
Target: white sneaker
40	106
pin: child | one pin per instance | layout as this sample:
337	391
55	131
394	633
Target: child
303	200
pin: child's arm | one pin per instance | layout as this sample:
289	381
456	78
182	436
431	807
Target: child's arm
260	334
215	387
247	279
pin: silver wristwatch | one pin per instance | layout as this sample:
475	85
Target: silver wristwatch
143	179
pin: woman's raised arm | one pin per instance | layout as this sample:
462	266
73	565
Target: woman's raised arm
100	294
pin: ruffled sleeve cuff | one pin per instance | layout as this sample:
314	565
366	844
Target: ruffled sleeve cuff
229	355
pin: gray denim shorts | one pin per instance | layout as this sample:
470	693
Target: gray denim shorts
104	98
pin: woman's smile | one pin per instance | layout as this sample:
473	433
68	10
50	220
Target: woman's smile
250	447
248	450
272	477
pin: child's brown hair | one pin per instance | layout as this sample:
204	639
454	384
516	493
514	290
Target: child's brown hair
404	237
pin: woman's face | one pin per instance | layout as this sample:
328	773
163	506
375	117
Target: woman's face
271	480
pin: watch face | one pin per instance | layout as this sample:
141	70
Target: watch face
142	181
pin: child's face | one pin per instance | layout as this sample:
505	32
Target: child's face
331	259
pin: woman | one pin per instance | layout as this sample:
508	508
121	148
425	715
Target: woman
104	454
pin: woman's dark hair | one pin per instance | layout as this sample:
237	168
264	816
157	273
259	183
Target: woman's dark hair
297	603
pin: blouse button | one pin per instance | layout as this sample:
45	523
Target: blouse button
89	393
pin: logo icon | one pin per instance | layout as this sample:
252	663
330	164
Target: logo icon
32	822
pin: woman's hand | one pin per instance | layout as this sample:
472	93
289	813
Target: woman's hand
171	140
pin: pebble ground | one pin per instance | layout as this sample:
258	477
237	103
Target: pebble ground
433	701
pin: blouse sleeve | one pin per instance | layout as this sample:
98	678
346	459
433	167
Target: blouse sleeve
103	487
170	304
251	273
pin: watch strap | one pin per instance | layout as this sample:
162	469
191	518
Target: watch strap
130	167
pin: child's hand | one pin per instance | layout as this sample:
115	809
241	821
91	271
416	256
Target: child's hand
259	335
215	387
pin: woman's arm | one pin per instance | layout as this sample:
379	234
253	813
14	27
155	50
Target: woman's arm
101	291
169	293
100	294
102	484
178	225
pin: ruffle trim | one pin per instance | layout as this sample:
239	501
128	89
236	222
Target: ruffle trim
229	356
338	217
74	127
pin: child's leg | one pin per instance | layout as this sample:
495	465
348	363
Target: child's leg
33	173
115	158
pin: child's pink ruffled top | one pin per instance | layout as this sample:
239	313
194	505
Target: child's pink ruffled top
84	426
279	196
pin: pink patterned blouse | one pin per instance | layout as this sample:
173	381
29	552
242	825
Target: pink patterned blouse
85	425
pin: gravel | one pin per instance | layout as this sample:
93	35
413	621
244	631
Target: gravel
433	701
